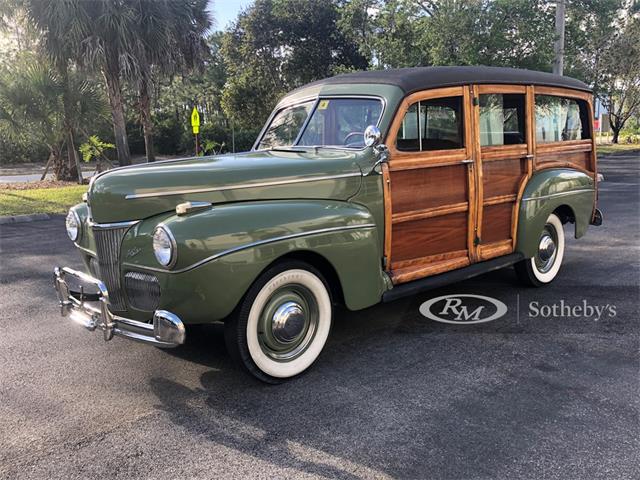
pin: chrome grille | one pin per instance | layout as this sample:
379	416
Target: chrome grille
143	290
108	239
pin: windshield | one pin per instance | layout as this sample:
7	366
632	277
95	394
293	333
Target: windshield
335	122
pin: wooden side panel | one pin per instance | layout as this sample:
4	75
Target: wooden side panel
502	177
431	236
580	160
496	222
424	188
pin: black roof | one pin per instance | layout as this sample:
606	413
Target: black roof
421	78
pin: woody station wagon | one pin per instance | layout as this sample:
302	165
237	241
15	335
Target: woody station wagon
360	188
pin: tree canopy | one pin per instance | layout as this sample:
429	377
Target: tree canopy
154	60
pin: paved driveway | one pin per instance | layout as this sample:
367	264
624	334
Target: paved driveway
393	395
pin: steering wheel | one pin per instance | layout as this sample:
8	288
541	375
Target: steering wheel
352	134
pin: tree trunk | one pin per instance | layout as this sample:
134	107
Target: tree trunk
46	167
616	134
74	158
145	117
114	91
60	167
72	171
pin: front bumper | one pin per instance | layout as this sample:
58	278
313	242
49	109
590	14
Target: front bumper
91	311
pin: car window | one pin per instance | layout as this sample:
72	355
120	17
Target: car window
285	126
435	124
341	122
502	119
561	119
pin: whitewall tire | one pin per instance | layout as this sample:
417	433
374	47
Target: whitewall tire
544	266
282	323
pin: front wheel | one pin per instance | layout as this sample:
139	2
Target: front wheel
544	266
282	323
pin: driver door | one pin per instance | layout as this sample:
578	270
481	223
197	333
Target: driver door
430	185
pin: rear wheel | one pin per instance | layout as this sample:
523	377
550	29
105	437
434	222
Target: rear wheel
282	323
544	266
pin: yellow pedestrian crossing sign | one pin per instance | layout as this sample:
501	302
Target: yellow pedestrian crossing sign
195	120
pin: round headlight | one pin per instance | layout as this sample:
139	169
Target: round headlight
164	246
73	225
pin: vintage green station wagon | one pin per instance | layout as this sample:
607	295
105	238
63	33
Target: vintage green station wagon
360	188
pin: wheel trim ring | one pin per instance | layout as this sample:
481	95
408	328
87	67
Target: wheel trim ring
549	234
299	364
287	351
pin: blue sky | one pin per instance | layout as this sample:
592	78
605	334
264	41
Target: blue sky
225	11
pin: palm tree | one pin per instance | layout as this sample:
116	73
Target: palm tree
171	41
32	102
95	34
123	39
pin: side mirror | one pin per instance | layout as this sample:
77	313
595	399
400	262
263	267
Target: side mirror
372	136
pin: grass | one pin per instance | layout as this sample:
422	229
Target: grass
617	148
39	200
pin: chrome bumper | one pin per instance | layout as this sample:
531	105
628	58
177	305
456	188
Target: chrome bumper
92	312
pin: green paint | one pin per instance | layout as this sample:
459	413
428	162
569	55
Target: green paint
546	192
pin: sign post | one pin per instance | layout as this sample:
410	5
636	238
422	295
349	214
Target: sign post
195	124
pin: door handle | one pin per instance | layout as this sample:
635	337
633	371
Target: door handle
528	157
468	160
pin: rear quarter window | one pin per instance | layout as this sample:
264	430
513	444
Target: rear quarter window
561	119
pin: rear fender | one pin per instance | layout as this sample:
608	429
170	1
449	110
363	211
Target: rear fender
568	191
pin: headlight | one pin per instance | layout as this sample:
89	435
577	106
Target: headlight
73	225
164	246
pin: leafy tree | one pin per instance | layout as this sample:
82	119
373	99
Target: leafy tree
170	40
278	45
405	33
96	34
93	149
32	102
618	82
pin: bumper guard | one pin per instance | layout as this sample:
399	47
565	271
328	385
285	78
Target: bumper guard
92	312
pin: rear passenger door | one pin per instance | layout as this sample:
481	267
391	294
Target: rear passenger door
504	154
430	184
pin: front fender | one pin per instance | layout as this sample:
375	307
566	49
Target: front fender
221	251
547	191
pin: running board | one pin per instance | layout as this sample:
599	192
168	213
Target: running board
429	283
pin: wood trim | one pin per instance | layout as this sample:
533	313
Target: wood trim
562	92
499	199
594	154
486	89
429	212
434	158
417	272
565	146
477	228
395	154
495	249
388	213
560	164
504	153
421	261
531	151
472	182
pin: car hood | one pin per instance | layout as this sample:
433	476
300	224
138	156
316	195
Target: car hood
141	191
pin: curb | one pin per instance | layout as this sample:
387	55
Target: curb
24	218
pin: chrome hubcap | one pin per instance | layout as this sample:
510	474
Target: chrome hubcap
547	249
288	322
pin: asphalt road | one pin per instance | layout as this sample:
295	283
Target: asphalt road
393	395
